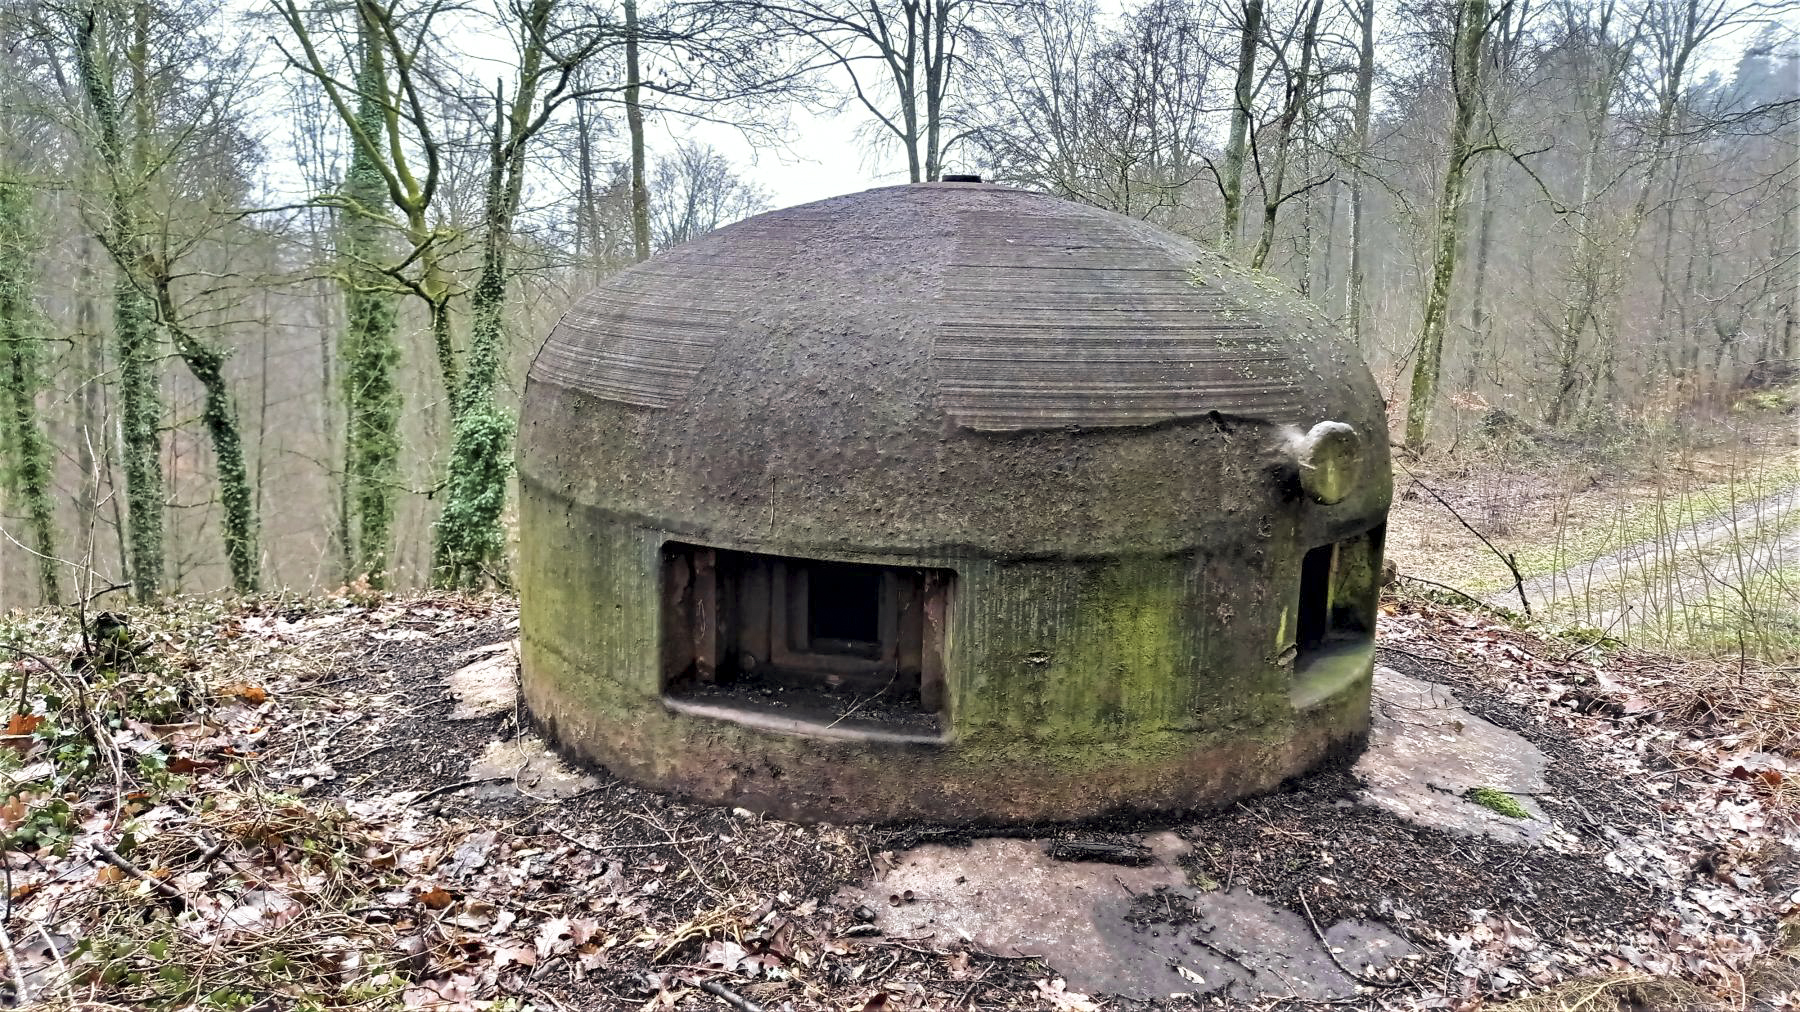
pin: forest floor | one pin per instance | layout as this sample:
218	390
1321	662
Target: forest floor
1690	547
282	804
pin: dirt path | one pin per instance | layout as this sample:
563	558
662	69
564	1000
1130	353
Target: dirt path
1604	580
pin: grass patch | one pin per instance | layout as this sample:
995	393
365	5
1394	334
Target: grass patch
1653	512
1759	616
1739	594
1497	801
1620	991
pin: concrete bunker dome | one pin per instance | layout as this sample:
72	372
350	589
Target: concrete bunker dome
949	501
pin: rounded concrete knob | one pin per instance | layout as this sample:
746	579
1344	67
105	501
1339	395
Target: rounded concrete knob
1330	456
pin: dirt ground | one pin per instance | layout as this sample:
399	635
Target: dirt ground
324	835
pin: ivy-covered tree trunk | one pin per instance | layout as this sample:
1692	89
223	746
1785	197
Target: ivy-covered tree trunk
219	415
469	541
28	452
134	322
370	352
143	304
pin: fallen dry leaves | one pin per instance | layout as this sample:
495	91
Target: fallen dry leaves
271	856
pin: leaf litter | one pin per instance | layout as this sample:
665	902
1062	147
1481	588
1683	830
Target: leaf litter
263	805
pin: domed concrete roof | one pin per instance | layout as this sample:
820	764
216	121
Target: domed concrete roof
937	365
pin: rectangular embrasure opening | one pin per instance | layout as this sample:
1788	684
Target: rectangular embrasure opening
808	643
1339	587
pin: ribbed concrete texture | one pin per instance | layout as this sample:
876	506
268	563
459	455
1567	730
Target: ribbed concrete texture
949	501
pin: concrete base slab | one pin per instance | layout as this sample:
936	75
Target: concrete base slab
1426	753
488	684
530	767
1008	897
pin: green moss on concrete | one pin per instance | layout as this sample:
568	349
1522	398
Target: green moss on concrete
1139	683
1497	801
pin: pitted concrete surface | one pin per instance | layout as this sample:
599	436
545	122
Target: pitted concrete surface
1008	897
528	767
1426	752
488	683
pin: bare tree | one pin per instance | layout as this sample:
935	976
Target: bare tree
1472	21
902	58
1113	115
698	190
1296	57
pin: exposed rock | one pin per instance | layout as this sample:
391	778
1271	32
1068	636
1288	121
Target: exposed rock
1427	754
1141	932
487	686
528	766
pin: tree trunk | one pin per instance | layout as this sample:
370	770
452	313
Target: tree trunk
468	533
370	349
1582	290
93	451
134	324
1231	186
587	234
936	77
219	416
1359	235
470	543
20	428
1471	28
1484	242
634	119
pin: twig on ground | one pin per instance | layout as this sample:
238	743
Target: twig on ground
1465	595
1426	658
606	848
1512	564
111	856
1222	954
12	960
1329	951
1102	851
729	997
452	788
366	753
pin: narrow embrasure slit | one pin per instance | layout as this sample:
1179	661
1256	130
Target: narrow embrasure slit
1339	586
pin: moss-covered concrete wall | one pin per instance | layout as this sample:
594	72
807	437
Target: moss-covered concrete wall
1075	687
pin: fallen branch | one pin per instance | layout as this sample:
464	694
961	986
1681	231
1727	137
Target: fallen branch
1131	854
729	997
1512	564
1472	599
12	960
1329	951
111	856
607	848
453	788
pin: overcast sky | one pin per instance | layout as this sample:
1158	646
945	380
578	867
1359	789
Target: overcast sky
825	157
